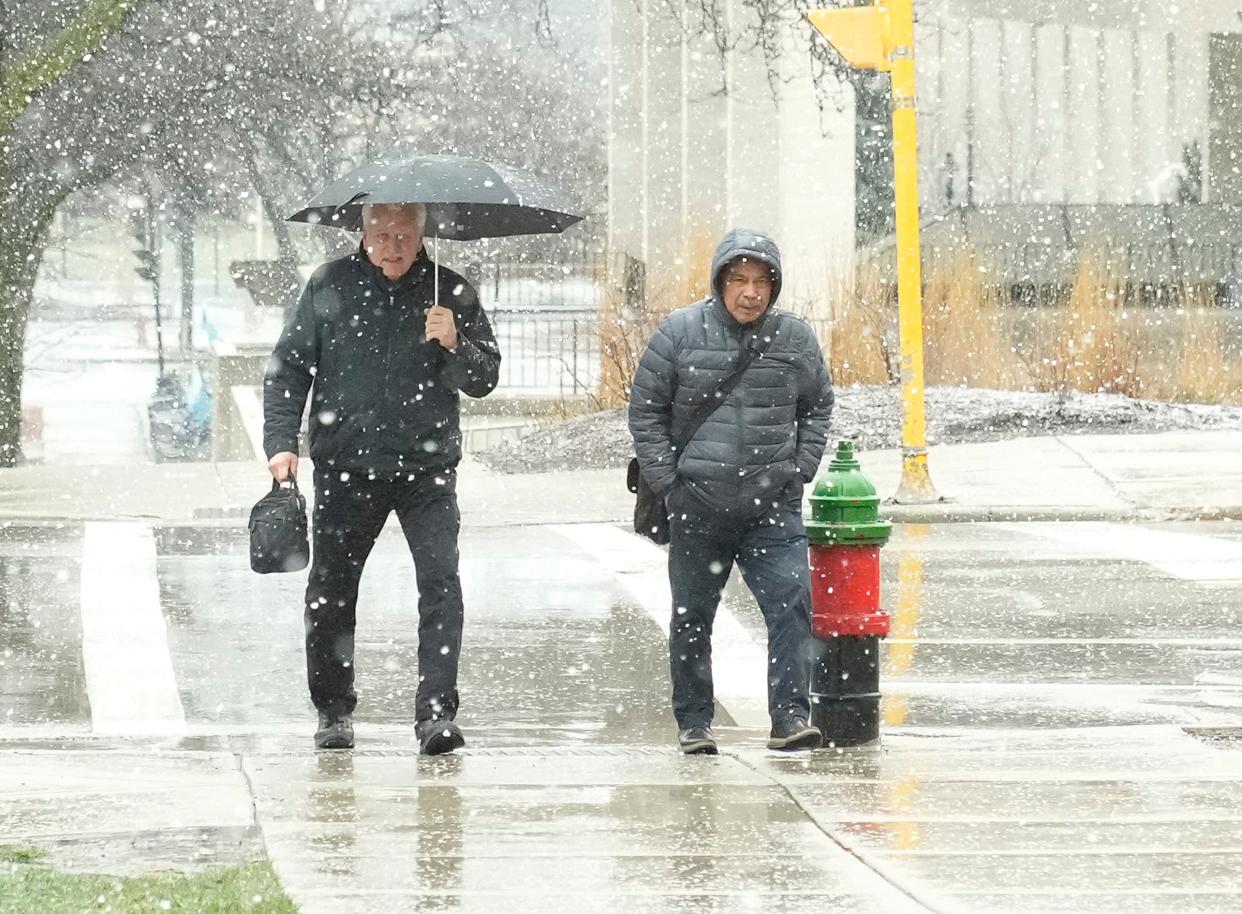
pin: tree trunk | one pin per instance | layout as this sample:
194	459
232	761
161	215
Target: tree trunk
286	255
22	236
25	216
14	306
185	248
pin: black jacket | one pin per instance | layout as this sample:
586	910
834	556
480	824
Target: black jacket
769	435
385	399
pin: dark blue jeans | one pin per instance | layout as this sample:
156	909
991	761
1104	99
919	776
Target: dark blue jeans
349	515
771	551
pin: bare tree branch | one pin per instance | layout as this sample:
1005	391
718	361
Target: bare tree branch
27	78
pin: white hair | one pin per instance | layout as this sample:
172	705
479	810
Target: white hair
419	208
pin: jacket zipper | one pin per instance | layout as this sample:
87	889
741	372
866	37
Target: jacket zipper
392	332
737	412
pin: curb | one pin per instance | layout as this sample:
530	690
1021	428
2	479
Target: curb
1221	737
227	525
974	514
1212	512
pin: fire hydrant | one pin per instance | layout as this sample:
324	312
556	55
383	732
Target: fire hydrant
845	535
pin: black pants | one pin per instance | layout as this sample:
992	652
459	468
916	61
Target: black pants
772	553
350	511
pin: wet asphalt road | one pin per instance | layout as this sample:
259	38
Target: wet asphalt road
1050	694
556	653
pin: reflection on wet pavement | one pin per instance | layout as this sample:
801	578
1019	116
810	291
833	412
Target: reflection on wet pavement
990	630
41	675
137	853
1033	713
548	657
103	811
523	828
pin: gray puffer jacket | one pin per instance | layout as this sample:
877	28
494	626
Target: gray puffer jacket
769	434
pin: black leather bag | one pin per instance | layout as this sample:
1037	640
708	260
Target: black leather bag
278	541
650	512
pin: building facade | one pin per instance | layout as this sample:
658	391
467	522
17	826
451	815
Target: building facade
1056	101
1023	103
702	141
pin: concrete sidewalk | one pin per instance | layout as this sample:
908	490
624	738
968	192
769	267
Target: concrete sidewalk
1062	702
1176	475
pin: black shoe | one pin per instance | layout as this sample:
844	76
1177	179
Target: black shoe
794	733
334	732
436	737
697	741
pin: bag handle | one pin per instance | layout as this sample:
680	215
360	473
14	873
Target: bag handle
292	479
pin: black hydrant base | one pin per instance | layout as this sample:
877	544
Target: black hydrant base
845	689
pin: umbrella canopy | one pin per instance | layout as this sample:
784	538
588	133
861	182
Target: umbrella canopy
466	199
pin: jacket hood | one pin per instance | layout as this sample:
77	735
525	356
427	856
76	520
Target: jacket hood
752	243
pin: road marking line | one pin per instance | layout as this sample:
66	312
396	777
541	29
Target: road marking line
1187	556
248	400
129	674
1207	643
739	665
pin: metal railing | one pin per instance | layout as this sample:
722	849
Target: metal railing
546	320
547	352
568	284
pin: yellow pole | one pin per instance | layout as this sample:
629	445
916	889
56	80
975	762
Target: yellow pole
916	484
881	37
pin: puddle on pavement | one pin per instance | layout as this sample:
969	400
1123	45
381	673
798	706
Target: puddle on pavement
42	680
191	850
550	655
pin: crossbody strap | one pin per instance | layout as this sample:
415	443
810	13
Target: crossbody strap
759	345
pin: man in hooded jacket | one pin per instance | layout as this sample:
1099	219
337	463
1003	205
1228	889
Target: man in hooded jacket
734	494
388	360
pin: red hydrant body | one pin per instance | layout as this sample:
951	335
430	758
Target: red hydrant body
845	591
845	536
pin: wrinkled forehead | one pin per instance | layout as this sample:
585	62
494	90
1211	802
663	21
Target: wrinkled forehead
398	218
747	267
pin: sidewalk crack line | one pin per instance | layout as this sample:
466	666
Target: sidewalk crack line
1112	486
883	872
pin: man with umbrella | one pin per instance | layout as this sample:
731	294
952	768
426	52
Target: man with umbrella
388	340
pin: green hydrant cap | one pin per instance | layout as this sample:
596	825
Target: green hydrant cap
844	505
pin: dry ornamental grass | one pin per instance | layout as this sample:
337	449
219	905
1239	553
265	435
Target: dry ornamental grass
1099	339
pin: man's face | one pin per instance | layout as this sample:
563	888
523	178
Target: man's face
747	289
392	238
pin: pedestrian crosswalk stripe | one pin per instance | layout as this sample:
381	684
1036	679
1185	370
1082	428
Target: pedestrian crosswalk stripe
1187	556
129	673
739	665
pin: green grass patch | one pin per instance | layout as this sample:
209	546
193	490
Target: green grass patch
253	889
20	854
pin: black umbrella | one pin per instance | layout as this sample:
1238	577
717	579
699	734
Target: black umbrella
466	199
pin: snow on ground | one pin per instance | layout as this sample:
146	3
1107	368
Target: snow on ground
871	416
